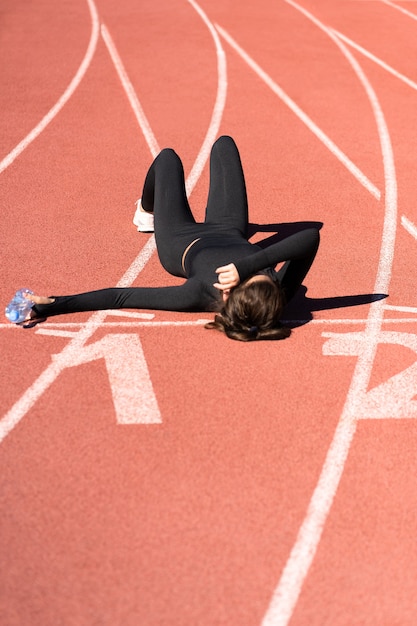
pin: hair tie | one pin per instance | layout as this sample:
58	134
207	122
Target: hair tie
253	330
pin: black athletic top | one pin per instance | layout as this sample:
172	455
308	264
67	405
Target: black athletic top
197	293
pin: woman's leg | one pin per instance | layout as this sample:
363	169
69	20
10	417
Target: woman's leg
164	189
227	202
164	195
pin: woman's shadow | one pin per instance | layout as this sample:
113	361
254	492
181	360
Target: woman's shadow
300	310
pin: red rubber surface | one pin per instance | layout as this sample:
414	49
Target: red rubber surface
193	520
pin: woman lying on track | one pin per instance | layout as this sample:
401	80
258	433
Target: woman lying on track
224	272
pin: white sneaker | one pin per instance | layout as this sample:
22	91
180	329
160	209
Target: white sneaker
142	219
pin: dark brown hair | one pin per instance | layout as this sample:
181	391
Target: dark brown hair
252	312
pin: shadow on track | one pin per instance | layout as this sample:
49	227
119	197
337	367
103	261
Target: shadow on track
300	310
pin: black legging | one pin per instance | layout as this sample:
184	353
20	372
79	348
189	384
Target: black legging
164	194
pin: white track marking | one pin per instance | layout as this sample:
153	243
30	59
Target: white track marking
130	383
312	126
403	309
136	314
49	375
130	92
53	329
47	328
218	109
218	105
395	6
302	554
409	226
57	333
41	329
8	160
376	60
137	265
213	129
394	397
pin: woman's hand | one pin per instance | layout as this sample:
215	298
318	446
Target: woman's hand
228	277
39	299
31	319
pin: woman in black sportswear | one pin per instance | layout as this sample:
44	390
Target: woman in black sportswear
224	272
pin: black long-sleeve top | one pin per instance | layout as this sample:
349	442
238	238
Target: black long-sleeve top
198	293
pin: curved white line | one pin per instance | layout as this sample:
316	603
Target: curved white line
312	126
409	226
130	92
50	374
218	106
204	152
357	321
401	9
218	109
8	160
376	60
302	554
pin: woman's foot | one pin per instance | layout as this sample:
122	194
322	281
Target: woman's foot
142	219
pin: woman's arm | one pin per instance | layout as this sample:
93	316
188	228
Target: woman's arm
300	246
298	251
186	297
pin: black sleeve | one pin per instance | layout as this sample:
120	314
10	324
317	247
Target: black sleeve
186	297
299	246
297	250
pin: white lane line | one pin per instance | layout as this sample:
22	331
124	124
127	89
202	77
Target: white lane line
8	160
305	322
401	9
409	226
139	324
376	60
400	309
53	330
57	333
285	596
213	128
312	126
136	314
130	92
69	353
218	105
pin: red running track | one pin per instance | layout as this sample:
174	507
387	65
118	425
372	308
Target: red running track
254	484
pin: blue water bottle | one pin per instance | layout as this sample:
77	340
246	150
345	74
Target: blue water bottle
19	307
